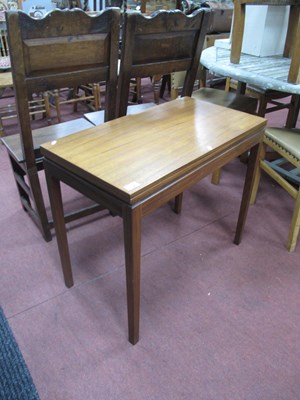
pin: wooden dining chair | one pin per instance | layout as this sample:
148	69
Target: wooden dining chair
285	171
164	42
159	44
82	49
236	101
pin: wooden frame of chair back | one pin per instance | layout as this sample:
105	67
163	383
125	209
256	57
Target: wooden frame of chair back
165	42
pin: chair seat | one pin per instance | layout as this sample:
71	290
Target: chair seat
97	117
288	139
44	135
227	99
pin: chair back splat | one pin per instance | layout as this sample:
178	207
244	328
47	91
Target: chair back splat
165	42
64	49
81	49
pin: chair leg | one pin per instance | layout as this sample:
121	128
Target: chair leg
137	92
22	187
227	84
57	104
1	128
32	191
178	203
156	87
262	107
72	95
202	76
216	176
139	98
295	225
39	216
96	94
47	107
174	93
293	113
166	81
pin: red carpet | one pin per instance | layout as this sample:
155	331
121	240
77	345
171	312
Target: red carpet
218	321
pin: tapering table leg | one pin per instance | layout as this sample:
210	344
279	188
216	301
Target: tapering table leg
248	186
132	241
54	191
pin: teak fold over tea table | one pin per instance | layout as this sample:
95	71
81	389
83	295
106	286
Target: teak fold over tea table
135	164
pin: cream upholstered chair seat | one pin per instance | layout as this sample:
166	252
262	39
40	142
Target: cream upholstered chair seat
288	139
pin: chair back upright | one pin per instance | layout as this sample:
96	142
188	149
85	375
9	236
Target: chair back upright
64	49
165	42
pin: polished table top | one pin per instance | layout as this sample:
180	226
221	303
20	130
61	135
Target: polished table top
138	154
264	72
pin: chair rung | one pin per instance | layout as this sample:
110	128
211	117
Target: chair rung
32	213
280	161
35	107
75	100
292	175
84	212
278	178
22	184
277	107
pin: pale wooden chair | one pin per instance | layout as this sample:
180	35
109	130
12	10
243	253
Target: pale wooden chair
286	142
84	49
